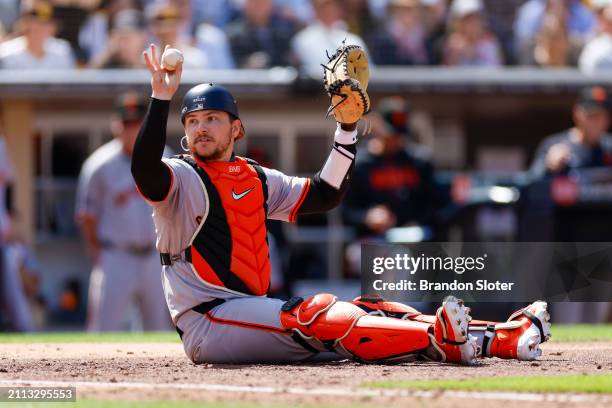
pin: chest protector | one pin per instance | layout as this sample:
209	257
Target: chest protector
230	247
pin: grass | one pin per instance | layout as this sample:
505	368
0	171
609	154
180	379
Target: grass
591	383
581	332
80	337
561	333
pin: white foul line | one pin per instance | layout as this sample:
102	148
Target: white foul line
339	392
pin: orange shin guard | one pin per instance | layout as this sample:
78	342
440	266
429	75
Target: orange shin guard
450	341
347	329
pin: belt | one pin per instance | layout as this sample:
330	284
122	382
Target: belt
138	250
202	308
168	259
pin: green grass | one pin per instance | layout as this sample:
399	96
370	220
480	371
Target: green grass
592	383
80	337
581	332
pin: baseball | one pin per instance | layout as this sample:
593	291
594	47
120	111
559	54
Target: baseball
170	58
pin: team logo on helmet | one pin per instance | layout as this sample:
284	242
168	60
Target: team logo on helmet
199	99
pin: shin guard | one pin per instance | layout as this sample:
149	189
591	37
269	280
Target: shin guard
348	330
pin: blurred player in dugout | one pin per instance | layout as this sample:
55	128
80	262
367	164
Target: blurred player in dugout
118	228
586	144
393	179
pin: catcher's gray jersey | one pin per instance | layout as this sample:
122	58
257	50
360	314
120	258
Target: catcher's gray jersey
178	217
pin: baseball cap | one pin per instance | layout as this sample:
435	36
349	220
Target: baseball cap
462	8
594	97
130	107
162	13
128	20
395	113
40	10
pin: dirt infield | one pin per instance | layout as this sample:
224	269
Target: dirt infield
165	364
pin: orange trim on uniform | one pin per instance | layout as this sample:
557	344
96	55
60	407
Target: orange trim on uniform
169	190
293	213
247	325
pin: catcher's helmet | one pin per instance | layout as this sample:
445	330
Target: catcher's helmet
210	97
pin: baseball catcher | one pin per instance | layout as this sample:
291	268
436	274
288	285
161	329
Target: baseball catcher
210	207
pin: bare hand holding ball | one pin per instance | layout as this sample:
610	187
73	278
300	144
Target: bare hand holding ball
170	58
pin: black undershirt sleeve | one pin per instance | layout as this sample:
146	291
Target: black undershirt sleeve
152	176
321	196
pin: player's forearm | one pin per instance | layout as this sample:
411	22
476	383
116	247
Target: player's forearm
89	229
152	176
328	186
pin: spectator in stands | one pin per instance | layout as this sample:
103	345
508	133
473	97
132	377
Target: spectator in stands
9	12
261	38
404	40
597	54
215	12
359	17
298	11
435	18
586	144
36	48
327	31
166	24
213	42
552	44
393	181
93	36
577	20
70	17
126	42
470	43
500	17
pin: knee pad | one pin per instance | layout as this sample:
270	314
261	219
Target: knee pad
345	328
377	305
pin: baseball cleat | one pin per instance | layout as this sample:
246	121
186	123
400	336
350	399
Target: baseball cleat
521	335
451	334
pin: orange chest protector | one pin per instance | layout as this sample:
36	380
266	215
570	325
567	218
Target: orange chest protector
230	249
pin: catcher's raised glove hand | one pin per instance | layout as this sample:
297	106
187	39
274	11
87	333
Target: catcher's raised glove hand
346	76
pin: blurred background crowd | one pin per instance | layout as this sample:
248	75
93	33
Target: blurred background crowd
441	167
221	34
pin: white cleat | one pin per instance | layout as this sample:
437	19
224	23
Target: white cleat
520	337
452	335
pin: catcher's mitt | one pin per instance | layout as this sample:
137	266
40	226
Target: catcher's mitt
346	78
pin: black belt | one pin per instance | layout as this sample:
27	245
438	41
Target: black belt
138	250
202	308
168	259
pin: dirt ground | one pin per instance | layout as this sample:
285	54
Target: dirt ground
165	364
